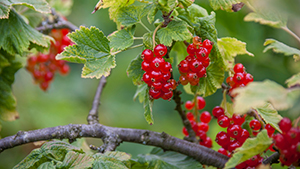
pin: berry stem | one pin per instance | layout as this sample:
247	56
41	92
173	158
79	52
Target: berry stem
154	33
285	28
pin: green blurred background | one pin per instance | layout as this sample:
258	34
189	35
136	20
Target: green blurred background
69	98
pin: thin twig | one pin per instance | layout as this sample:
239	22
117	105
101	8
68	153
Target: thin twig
93	114
154	33
204	155
291	33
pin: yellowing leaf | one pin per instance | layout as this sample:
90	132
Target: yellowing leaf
230	48
257	94
294	80
91	48
279	47
250	148
224	4
269	115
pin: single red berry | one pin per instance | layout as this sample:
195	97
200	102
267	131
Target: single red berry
218	111
189	105
183	66
190	116
223	121
238	68
48	76
194	82
253	161
167	67
203	126
37	75
234	131
229	81
194	126
146	66
191	76
44	85
207	142
233	145
166	76
243	137
155	76
255	124
202	53
184	131
205	117
237	119
191	49
248	78
285	124
201	72
195	66
42	57
168	95
222	138
160	50
238	78
183	80
156	86
174	84
200	103
147	78
197	40
60	63
223	151
202	134
205	62
255	133
147	55
190	58
157	64
155	94
64	69
167	87
207	44
270	129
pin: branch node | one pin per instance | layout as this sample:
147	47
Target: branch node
145	137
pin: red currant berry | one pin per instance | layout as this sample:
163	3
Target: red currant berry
222	138
64	69
147	55
207	142
237	119
223	121
233	145
202	134
183	80
189	105
44	85
32	61
190	116
157	63
167	87
166	68
234	131
42	57
147	79
230	81
166	76
195	66
223	151
156	76
253	161
184	131
205	117
255	124
244	135
37	75
183	66
160	50
238	78
194	82
205	62
190	58
285	124
197	40
218	111
200	103
48	76
155	94
194	126
191	49
174	84
270	129
238	68
203	126
146	66
207	44
248	78
156	86
191	76
202	53
168	95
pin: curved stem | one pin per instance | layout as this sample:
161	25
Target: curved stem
291	33
154	33
145	26
132	47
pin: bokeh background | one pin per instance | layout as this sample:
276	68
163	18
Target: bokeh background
69	98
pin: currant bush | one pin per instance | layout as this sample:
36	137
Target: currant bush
43	66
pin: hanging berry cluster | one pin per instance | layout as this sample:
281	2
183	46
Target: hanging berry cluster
288	143
158	73
200	128
43	66
240	78
194	65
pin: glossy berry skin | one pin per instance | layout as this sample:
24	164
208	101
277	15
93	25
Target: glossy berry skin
229	81
203	126
285	124
244	135
223	151
157	64
183	80
234	131
202	134
48	76
200	103
218	111
270	129
223	121
207	44
160	50
44	85
146	66
233	145
222	138
238	68
205	117
207	142
183	66
191	49
147	55
190	116
237	119
255	124
184	131
189	105
154	94
166	68
238	78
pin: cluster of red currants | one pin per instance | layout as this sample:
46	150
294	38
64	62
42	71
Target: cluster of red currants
240	78
236	135
200	128
194	65
158	73
288	143
43	66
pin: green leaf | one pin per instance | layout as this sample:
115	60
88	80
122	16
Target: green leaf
168	160
148	103
134	70
47	165
30	16
250	148
167	5
212	82
191	13
147	40
63	8
152	12
76	160
122	39
114	159
224	4
269	115
33	160
279	47
185	3
230	48
141	92
8	68
131	15
257	94
266	15
91	48
15	41
176	30
178	51
38	5
294	80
